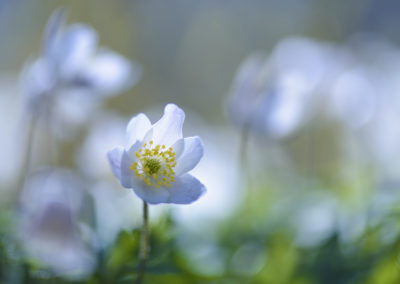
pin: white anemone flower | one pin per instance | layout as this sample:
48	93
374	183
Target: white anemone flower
156	160
276	95
73	75
50	207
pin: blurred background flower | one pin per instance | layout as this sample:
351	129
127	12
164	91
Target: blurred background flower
72	75
50	207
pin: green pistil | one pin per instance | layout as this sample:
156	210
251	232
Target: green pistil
153	165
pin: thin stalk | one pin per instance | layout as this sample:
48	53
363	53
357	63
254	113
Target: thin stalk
143	249
54	148
27	156
244	138
243	164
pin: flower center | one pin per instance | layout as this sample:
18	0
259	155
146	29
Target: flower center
155	165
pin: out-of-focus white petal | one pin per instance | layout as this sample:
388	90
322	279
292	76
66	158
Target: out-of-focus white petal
350	90
246	88
306	58
137	128
75	46
53	27
186	189
109	72
285	107
50	209
169	128
36	81
70	110
115	158
193	150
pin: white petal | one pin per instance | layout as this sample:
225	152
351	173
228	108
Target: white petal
138	126
110	72
128	158
148	136
150	194
185	189
53	27
178	147
114	157
36	81
126	173
193	150
131	152
76	45
169	128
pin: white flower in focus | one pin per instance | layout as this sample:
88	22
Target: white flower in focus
156	160
50	206
72	74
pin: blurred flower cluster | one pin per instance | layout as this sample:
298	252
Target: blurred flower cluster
302	175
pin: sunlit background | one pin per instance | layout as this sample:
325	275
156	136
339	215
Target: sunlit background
298	105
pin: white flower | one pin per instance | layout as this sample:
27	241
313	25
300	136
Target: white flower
275	95
156	159
50	207
72	74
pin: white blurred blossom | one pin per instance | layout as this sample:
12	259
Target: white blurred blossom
50	208
364	97
73	75
277	95
350	90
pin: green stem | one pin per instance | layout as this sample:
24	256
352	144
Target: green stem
143	245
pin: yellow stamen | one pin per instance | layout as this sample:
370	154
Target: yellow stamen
155	165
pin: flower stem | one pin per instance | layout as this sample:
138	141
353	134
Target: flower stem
27	156
243	146
143	244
